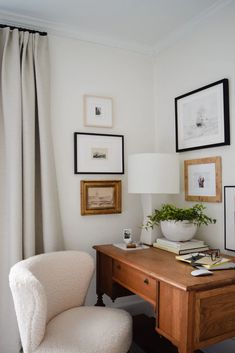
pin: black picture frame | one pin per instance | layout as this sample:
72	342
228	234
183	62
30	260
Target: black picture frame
202	117
229	216
98	153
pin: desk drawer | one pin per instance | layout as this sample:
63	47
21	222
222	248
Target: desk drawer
135	280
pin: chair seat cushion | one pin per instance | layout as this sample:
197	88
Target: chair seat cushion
88	330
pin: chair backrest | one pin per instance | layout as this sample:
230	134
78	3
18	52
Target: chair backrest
46	285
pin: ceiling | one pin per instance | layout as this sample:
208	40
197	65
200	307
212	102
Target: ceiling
140	25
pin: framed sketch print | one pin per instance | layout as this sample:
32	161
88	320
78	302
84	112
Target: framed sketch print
202	178
98	111
101	197
202	117
98	153
229	217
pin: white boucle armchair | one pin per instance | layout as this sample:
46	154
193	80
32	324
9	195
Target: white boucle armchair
49	291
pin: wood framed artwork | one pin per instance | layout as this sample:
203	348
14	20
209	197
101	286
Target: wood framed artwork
98	111
202	179
101	197
98	153
229	218
202	117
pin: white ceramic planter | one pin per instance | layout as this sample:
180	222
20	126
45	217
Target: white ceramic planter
178	231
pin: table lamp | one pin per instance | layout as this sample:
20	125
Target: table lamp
152	173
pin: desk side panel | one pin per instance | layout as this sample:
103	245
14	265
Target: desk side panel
103	274
175	315
215	315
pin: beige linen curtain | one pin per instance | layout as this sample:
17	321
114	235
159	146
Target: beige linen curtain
29	211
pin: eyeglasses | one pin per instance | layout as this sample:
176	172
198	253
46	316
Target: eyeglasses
213	253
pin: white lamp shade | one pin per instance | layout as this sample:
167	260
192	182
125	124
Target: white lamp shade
153	173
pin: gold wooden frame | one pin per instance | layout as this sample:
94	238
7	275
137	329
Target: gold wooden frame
93	204
207	175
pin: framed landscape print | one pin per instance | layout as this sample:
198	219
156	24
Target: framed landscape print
202	179
229	217
101	197
98	111
98	153
202	117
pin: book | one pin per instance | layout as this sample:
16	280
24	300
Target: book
209	264
225	266
190	244
181	251
190	258
201	260
188	251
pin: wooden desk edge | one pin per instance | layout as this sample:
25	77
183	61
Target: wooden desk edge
157	276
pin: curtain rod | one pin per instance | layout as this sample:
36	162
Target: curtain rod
24	29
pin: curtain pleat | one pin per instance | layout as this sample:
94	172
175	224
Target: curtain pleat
28	145
29	211
50	213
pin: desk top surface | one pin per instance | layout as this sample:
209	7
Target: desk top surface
162	265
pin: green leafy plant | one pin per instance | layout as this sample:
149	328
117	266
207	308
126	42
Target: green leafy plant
170	212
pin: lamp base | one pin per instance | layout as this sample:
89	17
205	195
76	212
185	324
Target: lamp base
148	236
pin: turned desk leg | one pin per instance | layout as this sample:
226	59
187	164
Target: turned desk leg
100	300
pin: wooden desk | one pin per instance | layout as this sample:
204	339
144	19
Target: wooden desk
192	312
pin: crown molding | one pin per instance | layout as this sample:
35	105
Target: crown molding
177	35
63	30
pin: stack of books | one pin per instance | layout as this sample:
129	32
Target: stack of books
199	260
181	247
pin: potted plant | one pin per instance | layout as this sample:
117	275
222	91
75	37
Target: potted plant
179	224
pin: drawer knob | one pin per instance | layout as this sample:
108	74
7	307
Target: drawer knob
119	267
146	281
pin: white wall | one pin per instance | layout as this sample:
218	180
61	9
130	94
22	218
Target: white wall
204	56
81	68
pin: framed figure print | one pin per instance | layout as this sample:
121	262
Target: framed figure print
202	117
229	217
202	179
101	197
98	153
98	111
